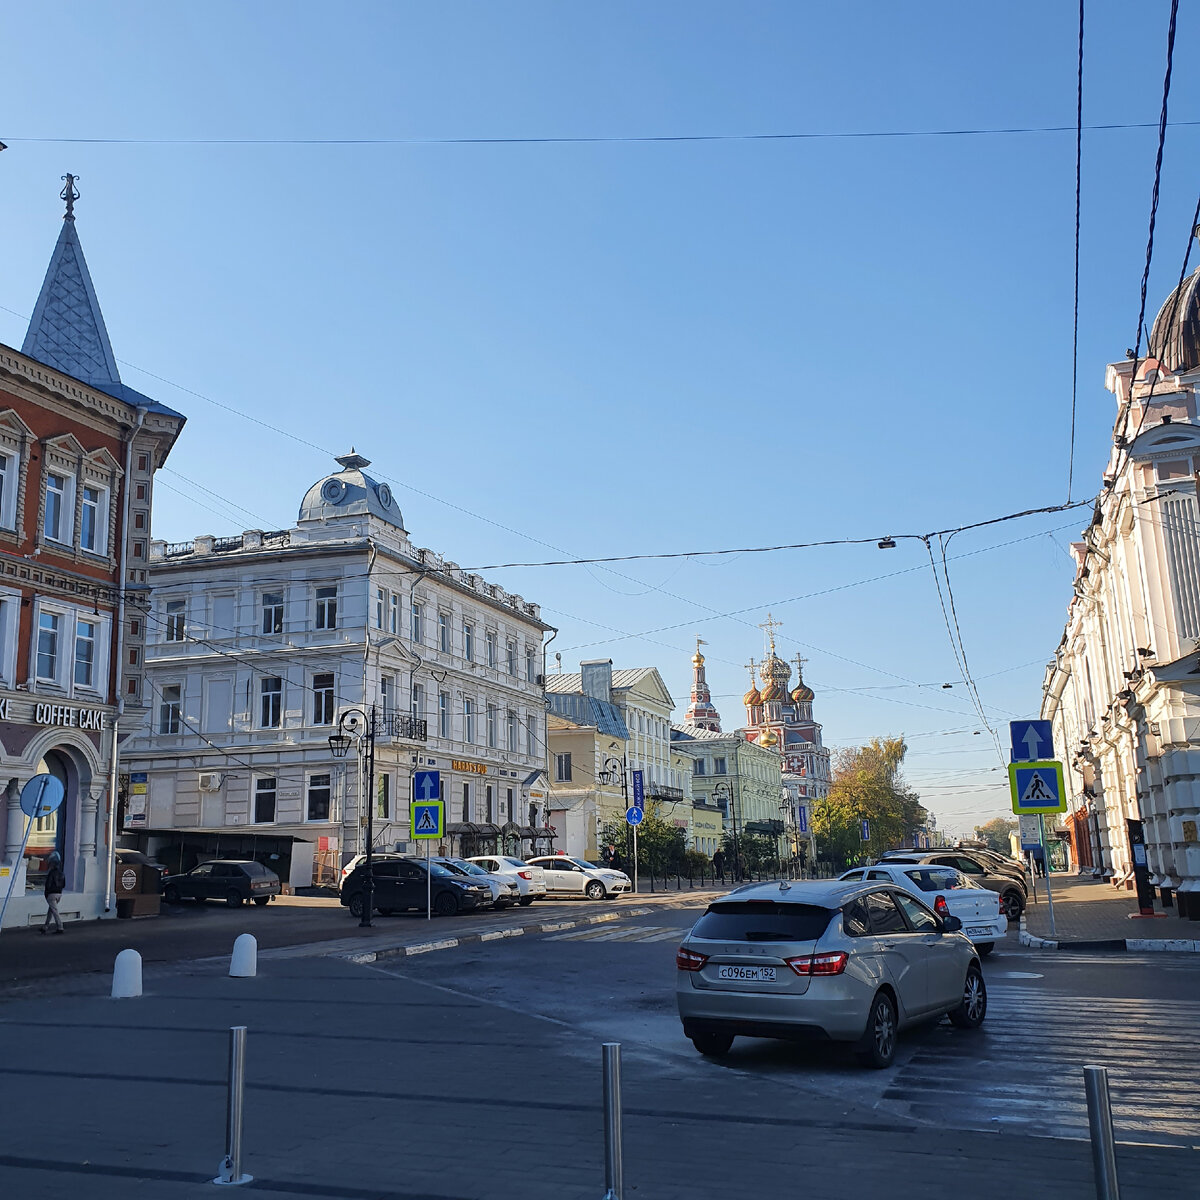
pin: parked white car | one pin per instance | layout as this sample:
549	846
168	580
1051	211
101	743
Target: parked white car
949	893
567	876
529	878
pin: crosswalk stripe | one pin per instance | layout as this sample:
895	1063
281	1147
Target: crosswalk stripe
642	933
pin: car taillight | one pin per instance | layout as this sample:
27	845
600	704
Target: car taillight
819	964
525	874
941	907
689	960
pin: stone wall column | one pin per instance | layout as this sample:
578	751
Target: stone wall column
15	824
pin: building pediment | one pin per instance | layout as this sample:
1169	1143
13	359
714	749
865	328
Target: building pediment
1165	439
11	423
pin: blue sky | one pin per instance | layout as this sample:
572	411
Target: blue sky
621	348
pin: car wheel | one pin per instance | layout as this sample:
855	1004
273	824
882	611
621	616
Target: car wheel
171	894
233	899
594	890
262	901
970	1013
985	948
356	905
1013	905
879	1039
713	1045
526	901
445	904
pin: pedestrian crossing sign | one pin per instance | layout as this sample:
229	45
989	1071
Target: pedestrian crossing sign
1037	787
428	819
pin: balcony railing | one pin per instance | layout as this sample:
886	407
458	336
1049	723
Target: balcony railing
401	725
660	791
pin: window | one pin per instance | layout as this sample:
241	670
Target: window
141	491
8	490
701	767
416	622
143	462
380	607
885	916
443	714
318	798
418	702
139	520
856	921
562	768
919	917
531	736
762	921
170	710
264	801
323	698
383	796
272	612
47	646
469	720
394	616
271	701
530	663
491	726
176	619
56	524
444	632
327	608
510	804
387	694
490	814
489	639
512	731
93	520
466	802
468	641
718	766
510	657
85	653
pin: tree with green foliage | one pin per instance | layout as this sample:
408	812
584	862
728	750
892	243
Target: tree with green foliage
661	844
867	786
996	834
760	854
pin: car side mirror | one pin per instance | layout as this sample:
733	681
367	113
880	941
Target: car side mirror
951	924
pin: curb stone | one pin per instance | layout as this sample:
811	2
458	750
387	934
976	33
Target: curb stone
1133	945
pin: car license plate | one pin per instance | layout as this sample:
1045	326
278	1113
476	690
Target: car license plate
978	930
747	974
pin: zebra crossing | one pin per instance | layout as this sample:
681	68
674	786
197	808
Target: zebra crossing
624	933
1024	1071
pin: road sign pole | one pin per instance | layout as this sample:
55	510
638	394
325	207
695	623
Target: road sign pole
428	886
1046	867
635	873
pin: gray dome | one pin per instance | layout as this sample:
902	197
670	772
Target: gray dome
1175	338
350	493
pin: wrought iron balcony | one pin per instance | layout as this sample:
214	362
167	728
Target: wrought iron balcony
402	725
660	791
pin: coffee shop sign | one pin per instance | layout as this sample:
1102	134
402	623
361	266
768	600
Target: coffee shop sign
66	715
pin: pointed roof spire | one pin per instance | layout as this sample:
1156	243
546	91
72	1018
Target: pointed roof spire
67	329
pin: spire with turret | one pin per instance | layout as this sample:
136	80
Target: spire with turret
701	712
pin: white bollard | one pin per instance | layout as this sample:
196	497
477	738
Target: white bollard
127	975
243	964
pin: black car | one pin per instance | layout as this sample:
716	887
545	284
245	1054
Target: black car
233	880
402	883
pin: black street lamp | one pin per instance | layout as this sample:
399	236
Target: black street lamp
725	792
339	744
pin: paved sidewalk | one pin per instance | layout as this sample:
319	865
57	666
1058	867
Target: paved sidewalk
1090	914
366	1084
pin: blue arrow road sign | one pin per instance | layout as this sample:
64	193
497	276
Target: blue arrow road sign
639	789
866	831
427	785
802	819
635	816
1032	741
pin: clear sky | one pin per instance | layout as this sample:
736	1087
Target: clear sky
560	350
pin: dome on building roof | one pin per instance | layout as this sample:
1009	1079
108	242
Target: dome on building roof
774	670
768	737
752	697
350	492
802	693
773	691
1175	337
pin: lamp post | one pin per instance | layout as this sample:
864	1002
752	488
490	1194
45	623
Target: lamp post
724	792
614	767
785	814
339	744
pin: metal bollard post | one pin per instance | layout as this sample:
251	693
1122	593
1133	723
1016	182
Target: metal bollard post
1104	1146
614	1167
231	1166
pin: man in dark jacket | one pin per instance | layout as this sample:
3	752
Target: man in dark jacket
56	882
719	864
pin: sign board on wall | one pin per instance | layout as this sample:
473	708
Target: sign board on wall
136	803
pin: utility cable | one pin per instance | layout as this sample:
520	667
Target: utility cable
1078	192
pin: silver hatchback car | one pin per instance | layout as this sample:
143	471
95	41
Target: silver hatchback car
849	962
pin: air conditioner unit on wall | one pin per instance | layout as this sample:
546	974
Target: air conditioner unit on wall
210	781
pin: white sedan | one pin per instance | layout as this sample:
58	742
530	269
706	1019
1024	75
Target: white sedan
567	876
529	878
949	893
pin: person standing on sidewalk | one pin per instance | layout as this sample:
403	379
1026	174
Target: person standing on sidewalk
719	864
56	882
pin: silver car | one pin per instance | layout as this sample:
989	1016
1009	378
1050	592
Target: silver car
850	962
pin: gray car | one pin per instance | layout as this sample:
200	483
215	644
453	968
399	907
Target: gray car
848	962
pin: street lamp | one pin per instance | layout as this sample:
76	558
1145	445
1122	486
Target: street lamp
339	745
724	792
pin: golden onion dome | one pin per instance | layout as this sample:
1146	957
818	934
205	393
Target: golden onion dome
802	693
697	659
752	697
774	670
768	737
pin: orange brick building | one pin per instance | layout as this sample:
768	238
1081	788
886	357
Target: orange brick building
78	452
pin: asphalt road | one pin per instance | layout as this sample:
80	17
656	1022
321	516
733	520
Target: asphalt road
1049	1015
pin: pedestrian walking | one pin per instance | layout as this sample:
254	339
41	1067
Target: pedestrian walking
615	860
56	882
719	864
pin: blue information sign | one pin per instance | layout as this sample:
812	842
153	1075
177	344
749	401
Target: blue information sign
802	818
635	816
865	831
1032	741
639	789
427	785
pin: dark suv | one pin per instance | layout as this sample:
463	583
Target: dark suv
402	883
233	880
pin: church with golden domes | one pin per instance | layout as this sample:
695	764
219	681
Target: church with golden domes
783	719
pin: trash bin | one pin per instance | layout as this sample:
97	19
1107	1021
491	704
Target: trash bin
136	889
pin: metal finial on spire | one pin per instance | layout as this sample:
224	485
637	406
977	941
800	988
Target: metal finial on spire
800	660
70	194
752	667
770	625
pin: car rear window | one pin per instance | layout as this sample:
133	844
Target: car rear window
935	879
762	921
254	868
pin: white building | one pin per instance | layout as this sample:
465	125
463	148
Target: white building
257	645
1123	690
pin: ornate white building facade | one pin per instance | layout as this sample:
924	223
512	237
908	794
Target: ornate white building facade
1123	690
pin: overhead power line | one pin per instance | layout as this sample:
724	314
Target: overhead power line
1078	193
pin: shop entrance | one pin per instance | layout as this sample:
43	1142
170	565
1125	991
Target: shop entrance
50	833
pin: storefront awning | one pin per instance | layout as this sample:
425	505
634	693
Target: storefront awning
547	832
527	831
462	827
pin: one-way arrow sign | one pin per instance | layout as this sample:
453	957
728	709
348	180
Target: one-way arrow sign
1031	740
